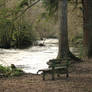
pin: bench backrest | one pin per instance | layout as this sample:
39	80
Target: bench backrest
59	63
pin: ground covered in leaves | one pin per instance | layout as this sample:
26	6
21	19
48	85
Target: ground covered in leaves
80	80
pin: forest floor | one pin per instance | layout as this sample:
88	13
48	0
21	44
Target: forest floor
80	80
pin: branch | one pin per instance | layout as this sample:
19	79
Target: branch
27	9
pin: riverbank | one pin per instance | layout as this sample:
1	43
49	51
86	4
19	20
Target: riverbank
80	80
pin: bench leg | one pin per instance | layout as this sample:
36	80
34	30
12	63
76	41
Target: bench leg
58	75
43	75
67	74
53	75
53	78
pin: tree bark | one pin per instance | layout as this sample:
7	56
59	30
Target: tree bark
63	33
64	51
87	26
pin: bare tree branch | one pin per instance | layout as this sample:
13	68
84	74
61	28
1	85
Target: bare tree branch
27	9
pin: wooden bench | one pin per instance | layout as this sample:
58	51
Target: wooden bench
56	67
53	71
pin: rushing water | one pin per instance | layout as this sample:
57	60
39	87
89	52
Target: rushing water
31	59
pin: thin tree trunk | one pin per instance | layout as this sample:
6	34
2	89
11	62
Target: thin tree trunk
87	20
85	31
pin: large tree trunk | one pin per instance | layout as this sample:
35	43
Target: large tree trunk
63	33
87	20
64	51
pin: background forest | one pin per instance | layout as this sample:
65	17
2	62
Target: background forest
20	28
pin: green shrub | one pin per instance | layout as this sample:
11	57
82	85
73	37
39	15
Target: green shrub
14	33
4	69
24	37
17	72
8	72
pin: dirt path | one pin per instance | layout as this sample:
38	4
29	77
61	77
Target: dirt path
80	80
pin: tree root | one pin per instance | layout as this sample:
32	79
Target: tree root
73	57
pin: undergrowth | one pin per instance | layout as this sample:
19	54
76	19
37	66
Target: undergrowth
9	72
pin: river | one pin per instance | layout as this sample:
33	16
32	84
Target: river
31	59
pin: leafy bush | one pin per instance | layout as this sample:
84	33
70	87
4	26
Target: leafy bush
18	36
14	32
17	72
23	36
7	71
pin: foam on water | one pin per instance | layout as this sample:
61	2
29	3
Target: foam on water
31	59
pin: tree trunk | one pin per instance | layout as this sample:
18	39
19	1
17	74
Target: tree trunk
64	51
87	20
63	33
